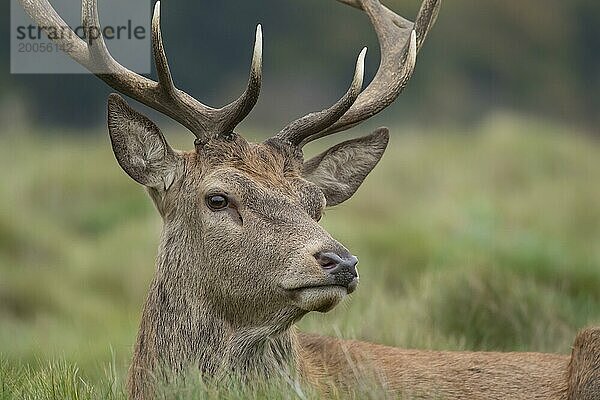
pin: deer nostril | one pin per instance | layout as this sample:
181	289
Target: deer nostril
334	264
328	261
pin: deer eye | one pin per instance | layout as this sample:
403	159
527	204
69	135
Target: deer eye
217	202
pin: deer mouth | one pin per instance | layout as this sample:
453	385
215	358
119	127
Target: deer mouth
347	282
349	288
321	297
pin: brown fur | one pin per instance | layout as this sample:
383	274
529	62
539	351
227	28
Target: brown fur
456	375
230	283
434	374
584	367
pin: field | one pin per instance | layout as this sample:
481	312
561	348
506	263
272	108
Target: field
482	240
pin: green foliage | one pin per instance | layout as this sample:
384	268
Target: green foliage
55	381
483	241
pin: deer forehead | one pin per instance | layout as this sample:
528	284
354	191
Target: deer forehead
263	160
257	173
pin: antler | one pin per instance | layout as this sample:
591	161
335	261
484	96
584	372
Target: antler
203	121
400	40
314	123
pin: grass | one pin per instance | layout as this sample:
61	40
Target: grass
483	240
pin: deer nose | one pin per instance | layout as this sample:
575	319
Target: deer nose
336	264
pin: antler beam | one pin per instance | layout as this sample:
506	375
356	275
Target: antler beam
400	40
203	121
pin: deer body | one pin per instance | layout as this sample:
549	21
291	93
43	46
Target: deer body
436	374
242	256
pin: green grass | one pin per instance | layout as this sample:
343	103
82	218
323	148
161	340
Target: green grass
483	240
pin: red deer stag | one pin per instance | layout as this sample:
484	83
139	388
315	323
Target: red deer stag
242	256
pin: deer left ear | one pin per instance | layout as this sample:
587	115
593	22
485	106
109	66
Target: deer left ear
140	147
340	170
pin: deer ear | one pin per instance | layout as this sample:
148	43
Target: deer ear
139	146
340	170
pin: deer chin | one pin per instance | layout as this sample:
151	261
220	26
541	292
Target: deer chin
319	298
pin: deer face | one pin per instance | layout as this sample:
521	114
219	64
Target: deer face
245	216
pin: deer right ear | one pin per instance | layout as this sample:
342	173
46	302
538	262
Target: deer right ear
340	170
139	146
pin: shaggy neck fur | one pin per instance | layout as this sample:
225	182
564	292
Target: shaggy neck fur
181	329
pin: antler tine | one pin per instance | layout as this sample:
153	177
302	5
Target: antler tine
425	20
239	109
165	79
383	90
399	40
203	121
196	116
302	128
100	56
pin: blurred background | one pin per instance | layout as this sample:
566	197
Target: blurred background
534	57
479	230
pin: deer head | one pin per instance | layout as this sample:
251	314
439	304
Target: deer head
242	241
